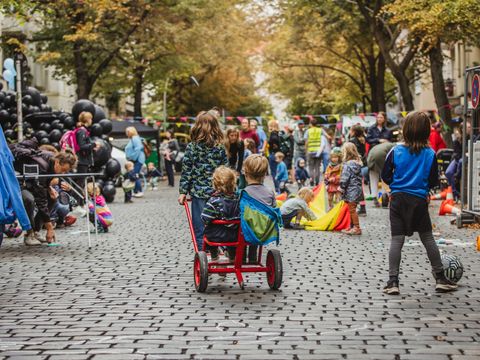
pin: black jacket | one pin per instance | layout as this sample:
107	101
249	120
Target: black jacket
235	156
85	154
374	135
27	153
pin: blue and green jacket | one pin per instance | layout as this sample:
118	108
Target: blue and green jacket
199	163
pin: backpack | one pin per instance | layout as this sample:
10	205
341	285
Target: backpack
69	140
260	223
285	144
28	153
147	149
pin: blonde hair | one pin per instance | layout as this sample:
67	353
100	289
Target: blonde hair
349	152
256	167
280	155
131	131
274	125
224	180
128	165
207	129
84	117
98	190
306	194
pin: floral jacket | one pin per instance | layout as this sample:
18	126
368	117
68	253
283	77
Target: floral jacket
199	163
332	177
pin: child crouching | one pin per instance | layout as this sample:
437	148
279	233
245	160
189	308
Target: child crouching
222	205
351	185
297	208
99	210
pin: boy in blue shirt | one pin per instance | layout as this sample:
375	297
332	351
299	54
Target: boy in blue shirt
282	173
411	171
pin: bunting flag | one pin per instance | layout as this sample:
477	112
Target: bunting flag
336	117
404	113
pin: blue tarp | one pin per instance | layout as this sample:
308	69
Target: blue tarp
11	204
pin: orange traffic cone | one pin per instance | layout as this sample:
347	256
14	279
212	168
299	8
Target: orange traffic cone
447	208
441	196
449	197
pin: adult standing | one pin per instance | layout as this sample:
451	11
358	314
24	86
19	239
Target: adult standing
273	147
135	153
315	144
235	149
378	133
262	136
247	132
172	149
376	162
11	206
435	138
299	142
286	147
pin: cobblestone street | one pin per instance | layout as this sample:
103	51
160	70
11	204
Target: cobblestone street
131	296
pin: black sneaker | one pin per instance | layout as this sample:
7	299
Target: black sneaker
444	285
392	287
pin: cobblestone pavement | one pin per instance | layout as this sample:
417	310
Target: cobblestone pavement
132	297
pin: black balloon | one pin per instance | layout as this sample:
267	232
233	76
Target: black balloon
107	126
62	116
68	123
4	115
35	109
10	134
56	145
35	94
41	134
44	98
109	191
96	130
2	96
27	99
45	126
101	154
99	114
44	141
55	136
55	124
112	168
81	106
101	183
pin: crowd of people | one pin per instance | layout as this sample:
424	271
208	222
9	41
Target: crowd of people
217	168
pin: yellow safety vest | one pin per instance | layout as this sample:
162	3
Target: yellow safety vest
314	138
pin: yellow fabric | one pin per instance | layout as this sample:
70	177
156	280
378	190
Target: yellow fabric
314	139
326	222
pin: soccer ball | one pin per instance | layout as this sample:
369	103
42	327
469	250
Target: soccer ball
452	267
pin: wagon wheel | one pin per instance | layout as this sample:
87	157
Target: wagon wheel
274	269
200	271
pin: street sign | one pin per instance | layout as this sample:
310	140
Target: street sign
475	90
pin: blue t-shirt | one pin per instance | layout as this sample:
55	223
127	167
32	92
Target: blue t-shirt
410	173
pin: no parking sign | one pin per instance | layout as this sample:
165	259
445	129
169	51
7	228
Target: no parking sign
475	90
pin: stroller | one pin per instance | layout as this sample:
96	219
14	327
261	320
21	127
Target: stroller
444	157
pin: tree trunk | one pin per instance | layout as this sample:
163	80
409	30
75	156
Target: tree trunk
84	83
138	90
373	82
380	89
441	99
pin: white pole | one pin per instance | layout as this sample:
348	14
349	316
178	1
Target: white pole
19	100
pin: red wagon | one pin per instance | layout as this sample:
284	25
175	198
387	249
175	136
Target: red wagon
202	267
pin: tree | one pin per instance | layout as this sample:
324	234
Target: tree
431	23
81	38
334	54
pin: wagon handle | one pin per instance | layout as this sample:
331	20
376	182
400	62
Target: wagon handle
190	224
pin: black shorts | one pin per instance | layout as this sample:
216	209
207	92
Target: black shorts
409	214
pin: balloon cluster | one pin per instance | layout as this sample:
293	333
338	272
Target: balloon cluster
49	126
